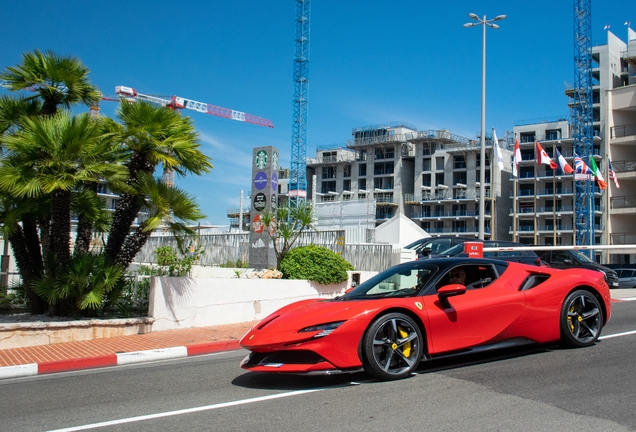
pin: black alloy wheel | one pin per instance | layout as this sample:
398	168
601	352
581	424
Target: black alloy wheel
581	319
392	347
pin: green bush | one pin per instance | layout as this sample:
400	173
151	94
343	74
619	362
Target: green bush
315	263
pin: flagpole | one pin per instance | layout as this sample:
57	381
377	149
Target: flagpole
534	240
554	235
573	201
515	171
493	157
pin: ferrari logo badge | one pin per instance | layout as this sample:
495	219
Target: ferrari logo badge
419	305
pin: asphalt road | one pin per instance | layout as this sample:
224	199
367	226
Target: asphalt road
546	389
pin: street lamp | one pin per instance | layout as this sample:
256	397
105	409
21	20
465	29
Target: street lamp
482	162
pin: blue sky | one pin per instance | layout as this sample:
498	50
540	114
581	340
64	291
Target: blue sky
371	62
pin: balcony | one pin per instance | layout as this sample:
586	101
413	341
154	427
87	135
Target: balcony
625	202
623	131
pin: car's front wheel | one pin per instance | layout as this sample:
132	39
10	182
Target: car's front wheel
392	347
581	319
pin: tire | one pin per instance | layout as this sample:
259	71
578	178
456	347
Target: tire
581	319
392	347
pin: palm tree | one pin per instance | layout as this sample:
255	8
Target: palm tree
165	206
57	80
155	137
49	157
285	224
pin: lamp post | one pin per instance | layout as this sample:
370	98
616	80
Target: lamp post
482	161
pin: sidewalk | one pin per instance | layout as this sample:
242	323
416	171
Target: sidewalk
35	360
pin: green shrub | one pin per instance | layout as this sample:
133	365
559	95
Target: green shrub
315	263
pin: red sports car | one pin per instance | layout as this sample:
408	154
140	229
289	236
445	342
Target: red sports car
425	309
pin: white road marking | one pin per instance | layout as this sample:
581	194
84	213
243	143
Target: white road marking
627	333
184	411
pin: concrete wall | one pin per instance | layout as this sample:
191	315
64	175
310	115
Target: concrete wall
208	301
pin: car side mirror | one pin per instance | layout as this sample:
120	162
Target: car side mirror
425	251
567	261
449	291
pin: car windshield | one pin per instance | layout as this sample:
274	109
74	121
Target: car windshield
581	256
400	281
453	251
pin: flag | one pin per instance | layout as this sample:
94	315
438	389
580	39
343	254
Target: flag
495	146
544	158
516	159
597	173
580	167
565	166
612	174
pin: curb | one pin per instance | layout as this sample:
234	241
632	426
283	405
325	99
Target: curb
116	359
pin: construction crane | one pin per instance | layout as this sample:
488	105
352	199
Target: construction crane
582	119
298	177
178	103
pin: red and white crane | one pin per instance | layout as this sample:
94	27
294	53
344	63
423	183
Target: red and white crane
177	102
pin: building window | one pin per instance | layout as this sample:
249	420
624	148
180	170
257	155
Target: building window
383	168
346	171
329	157
426	164
426	180
439	164
527	137
552	134
328	172
346	185
459	177
362	170
459	162
328	186
439	178
361	155
362	184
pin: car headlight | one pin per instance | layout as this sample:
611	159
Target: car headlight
324	329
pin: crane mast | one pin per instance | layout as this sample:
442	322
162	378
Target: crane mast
582	120
298	176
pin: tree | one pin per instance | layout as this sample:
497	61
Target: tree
56	80
285	224
153	137
48	158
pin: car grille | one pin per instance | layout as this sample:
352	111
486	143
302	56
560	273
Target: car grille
284	357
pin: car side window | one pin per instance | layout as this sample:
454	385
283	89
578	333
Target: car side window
472	276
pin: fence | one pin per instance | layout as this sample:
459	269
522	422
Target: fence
219	249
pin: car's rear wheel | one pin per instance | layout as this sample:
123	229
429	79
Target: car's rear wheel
392	347
581	319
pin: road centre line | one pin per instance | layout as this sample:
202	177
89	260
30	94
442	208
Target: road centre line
631	332
184	411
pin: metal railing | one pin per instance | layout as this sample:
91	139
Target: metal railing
623	131
623	202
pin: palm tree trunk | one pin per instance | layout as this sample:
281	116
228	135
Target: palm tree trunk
125	214
60	229
84	227
132	246
28	270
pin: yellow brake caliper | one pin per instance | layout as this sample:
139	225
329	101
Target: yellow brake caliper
406	350
570	319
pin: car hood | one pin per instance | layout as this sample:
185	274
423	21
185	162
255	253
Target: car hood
312	312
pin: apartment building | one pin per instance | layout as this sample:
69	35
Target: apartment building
547	216
431	177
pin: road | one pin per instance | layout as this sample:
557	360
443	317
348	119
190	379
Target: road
546	389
